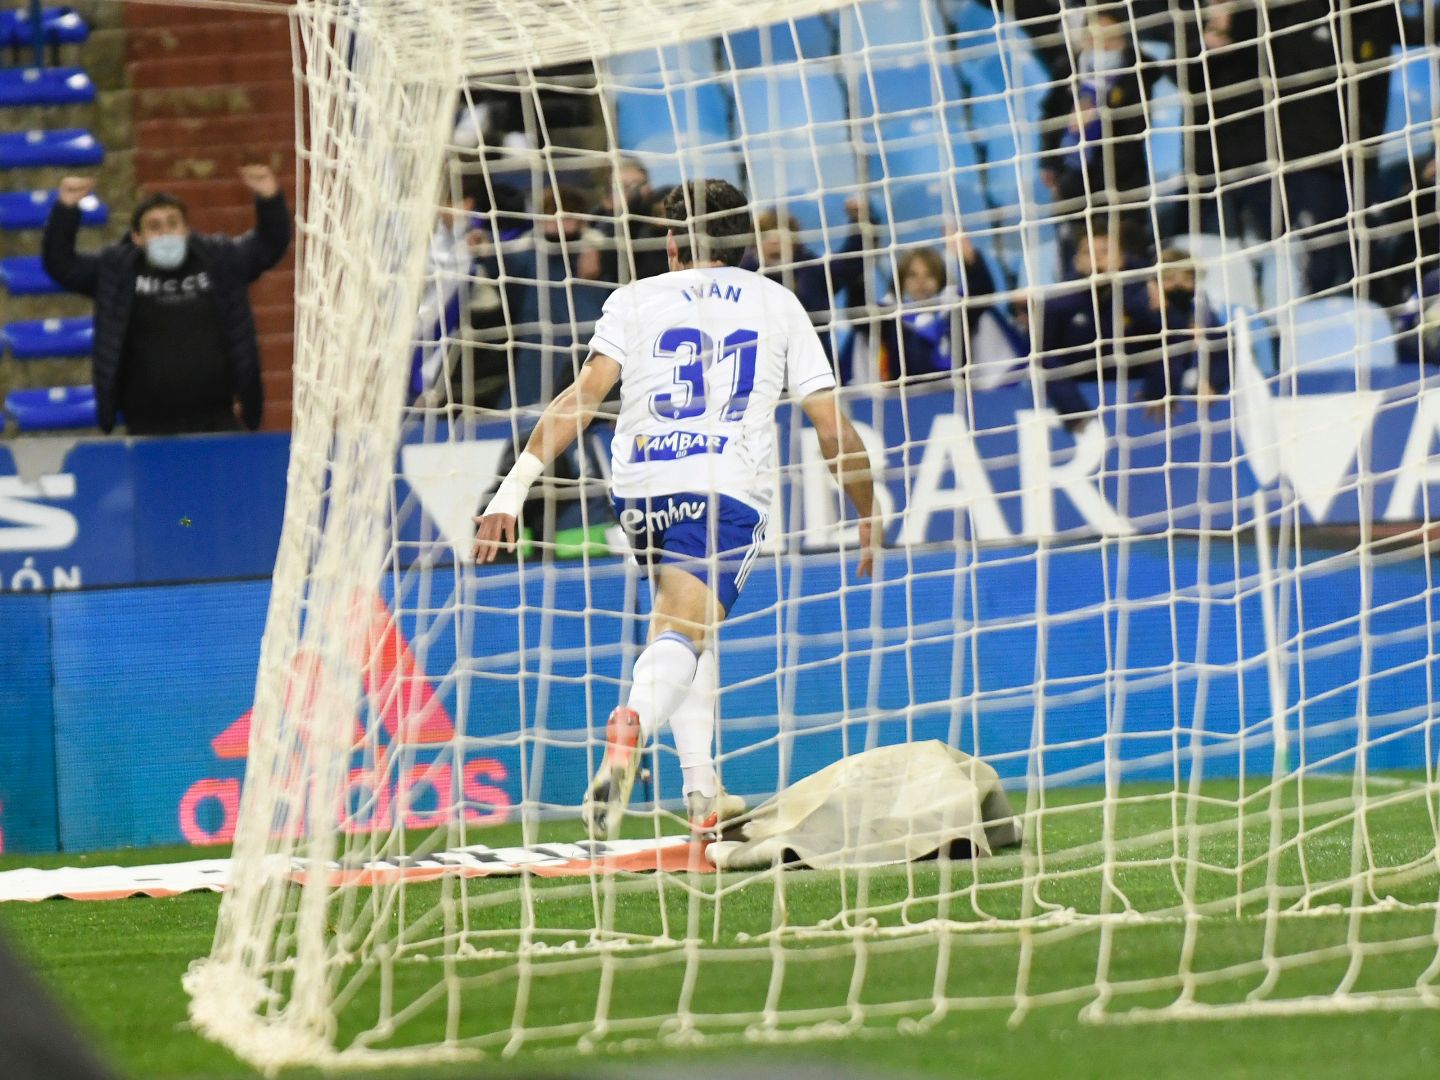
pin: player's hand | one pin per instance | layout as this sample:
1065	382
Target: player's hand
496	531
74	188
870	535
858	210
260	179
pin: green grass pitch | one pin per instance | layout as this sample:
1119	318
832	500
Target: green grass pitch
117	965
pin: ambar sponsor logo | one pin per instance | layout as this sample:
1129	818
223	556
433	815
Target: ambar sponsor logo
677	445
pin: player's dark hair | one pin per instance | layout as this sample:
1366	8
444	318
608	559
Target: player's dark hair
158	200
713	221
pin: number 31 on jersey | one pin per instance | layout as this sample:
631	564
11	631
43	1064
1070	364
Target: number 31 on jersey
694	355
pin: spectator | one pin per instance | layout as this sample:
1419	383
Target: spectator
449	263
1311	130
1332	78
848	280
1191	338
1225	97
647	236
500	227
631	226
1157	332
627	199
930	331
1098	154
1404	236
629	187
553	296
1087	325
781	257
175	346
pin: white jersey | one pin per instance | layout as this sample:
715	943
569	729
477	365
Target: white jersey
705	354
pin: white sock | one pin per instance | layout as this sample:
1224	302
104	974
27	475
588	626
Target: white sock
661	680
694	728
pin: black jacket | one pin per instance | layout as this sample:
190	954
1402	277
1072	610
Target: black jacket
109	276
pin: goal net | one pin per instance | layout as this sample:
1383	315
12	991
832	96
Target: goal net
1134	307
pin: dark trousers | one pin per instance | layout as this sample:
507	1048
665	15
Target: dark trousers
1241	211
1316	201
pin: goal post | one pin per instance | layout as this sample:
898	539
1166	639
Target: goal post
1169	581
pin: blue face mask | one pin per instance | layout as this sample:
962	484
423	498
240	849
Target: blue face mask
166	252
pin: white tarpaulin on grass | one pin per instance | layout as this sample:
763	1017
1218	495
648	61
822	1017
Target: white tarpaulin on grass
892	804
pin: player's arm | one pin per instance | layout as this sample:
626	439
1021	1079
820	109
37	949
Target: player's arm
560	424
849	461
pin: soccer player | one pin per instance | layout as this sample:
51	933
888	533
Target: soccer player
702	354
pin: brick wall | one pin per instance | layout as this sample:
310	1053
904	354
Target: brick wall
212	91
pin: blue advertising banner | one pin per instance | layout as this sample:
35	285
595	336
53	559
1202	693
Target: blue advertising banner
956	463
27	737
144	680
124	511
988	466
999	652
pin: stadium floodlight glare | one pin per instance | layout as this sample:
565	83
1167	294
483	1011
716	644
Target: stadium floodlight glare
1193	630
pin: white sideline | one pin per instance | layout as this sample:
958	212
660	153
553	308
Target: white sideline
213	875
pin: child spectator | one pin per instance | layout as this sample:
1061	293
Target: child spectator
929	334
925	328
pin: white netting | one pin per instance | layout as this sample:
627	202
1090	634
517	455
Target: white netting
1133	306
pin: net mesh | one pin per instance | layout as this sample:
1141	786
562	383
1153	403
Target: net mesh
1132	306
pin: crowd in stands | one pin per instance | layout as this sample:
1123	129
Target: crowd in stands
1272	150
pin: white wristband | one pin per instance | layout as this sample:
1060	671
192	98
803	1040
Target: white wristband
509	497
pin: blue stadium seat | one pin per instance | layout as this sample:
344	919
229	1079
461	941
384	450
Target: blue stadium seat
686	116
1159	51
906	85
672	112
678	132
669	101
1001	142
657	67
39	339
1010	71
58	26
1335	334
35	149
52	409
45	86
810	38
968	17
792	171
879	23
1165	139
1040	264
24	275
1412	107
29	209
917	158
